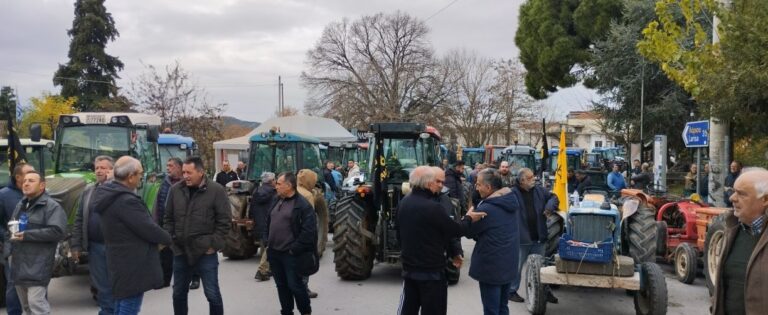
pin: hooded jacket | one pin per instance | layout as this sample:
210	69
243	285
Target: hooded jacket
197	221
33	257
306	180
131	237
496	254
9	197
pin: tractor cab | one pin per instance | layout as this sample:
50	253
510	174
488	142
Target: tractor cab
38	153
279	152
519	156
357	152
574	159
493	154
471	156
173	145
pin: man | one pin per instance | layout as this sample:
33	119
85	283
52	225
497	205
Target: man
690	180
258	209
495	257
445	165
643	179
742	276
9	198
197	215
354	170
131	237
616	180
241	170
172	176
584	182
226	174
425	233
536	203
86	235
636	167
507	179
291	237
572	181
454	183
704	184
328	176
33	250
733	174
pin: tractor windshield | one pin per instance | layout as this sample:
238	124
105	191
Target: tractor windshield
79	145
574	162
518	161
276	157
168	151
472	158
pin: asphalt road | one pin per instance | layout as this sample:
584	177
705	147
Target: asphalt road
377	295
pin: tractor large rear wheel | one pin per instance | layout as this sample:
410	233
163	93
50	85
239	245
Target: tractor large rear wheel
555	228
641	235
352	241
321	208
713	250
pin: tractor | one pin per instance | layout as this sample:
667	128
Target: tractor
38	153
173	145
602	247
519	156
493	154
366	226
80	138
274	152
610	156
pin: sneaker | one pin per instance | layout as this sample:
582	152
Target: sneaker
261	277
311	294
551	298
514	297
195	284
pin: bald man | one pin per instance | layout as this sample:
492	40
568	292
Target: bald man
742	275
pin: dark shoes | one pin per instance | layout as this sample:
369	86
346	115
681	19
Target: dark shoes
195	284
262	277
311	294
514	297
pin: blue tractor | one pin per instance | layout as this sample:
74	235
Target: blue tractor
173	145
603	246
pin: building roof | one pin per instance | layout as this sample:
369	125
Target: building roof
583	115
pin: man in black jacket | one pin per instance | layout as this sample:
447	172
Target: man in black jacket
131	237
291	236
226	174
172	176
425	233
453	183
198	217
259	207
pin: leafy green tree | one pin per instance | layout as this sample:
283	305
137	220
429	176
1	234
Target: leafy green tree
90	73
554	37
621	75
45	110
7	103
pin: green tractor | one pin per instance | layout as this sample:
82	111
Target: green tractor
274	152
80	138
39	155
366	225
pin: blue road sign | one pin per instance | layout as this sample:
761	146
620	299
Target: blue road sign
696	134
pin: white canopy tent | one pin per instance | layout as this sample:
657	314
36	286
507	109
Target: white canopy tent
325	129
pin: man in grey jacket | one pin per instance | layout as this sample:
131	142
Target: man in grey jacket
34	247
86	235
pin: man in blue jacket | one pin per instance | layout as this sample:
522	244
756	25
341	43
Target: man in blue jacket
9	198
494	259
616	180
536	203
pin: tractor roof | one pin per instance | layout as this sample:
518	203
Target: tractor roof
403	129
519	149
103	118
174	139
283	137
568	151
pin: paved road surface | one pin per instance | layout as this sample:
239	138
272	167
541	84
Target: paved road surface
377	295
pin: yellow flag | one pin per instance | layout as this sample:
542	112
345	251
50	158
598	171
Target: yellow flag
561	174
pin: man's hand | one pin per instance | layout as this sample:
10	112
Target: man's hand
18	236
475	216
458	261
210	251
75	255
160	247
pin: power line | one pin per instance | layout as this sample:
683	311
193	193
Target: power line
441	10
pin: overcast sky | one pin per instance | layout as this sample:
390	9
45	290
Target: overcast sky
236	49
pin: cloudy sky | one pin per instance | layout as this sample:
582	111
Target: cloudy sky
236	49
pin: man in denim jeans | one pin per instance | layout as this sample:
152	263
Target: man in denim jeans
198	217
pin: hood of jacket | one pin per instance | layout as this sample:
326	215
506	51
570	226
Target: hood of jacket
502	198
306	178
107	193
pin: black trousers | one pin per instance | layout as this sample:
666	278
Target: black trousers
431	296
166	261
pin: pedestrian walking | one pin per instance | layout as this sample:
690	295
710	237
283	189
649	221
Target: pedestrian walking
198	217
87	236
741	280
425	232
291	244
495	257
536	203
226	174
9	197
40	225
131	237
260	201
733	174
172	176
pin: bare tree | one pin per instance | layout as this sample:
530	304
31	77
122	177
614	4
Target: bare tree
287	111
182	105
377	68
510	97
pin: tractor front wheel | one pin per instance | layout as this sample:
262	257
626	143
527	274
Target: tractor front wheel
686	261
652	297
536	300
555	228
352	241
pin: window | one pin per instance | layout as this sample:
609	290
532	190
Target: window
598	144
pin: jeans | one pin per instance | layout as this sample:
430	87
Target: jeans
289	283
12	304
494	298
34	299
97	262
130	305
525	250
207	267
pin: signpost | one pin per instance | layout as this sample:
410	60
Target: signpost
696	135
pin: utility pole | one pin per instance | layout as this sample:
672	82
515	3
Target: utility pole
719	141
280	101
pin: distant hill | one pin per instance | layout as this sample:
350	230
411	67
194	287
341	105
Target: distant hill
229	120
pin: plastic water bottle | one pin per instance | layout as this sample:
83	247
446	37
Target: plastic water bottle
575	198
23	220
